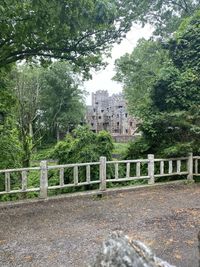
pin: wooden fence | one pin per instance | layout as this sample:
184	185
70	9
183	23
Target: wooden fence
142	169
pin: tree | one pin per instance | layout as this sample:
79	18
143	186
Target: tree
171	123
62	107
138	71
27	91
10	146
46	100
165	15
75	30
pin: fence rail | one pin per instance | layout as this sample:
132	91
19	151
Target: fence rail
107	171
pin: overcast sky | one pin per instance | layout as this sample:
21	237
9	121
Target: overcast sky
102	80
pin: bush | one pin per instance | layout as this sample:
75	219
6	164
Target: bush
83	146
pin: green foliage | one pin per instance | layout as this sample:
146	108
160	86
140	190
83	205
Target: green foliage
165	15
138	72
42	153
170	123
185	47
137	149
75	30
61	100
10	147
120	148
83	146
48	103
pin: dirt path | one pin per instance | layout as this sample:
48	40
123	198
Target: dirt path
69	232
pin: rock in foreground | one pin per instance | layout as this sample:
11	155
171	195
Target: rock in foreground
119	251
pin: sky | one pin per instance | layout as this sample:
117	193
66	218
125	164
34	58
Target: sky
102	80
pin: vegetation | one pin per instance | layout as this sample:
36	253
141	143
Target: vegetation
170	98
58	42
49	103
76	31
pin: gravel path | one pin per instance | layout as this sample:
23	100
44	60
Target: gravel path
69	232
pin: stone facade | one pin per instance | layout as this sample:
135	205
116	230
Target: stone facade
110	113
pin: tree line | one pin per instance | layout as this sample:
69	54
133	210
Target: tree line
161	81
48	48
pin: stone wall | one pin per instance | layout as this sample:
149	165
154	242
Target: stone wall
110	113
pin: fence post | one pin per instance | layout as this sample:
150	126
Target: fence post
102	173
43	179
190	167
151	169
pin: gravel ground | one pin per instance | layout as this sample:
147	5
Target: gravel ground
69	232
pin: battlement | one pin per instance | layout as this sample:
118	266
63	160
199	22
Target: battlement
110	113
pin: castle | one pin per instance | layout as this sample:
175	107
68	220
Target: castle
110	113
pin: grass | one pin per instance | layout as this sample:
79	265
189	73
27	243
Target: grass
120	148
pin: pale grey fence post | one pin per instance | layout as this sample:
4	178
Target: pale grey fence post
190	167
43	179
151	169
102	173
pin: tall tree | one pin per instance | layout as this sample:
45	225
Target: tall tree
62	106
27	91
49	102
75	30
165	15
10	155
138	71
171	124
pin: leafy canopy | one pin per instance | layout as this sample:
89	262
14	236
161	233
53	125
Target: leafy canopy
171	124
75	30
138	71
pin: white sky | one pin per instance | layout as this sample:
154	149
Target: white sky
102	80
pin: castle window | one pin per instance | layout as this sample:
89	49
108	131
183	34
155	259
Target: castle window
131	124
94	109
126	115
97	103
126	130
117	123
120	107
102	110
99	117
92	124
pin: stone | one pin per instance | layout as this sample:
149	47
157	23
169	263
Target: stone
110	113
119	251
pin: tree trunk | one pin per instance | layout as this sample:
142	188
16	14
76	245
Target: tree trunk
57	133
